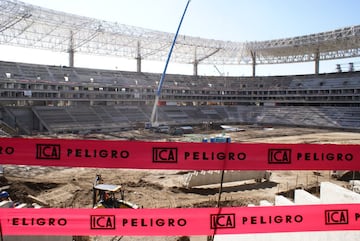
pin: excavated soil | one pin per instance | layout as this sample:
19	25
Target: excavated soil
72	187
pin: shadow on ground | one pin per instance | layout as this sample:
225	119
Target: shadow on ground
238	188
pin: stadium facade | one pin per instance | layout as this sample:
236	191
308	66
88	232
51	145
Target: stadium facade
42	98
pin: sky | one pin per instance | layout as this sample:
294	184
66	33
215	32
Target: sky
233	20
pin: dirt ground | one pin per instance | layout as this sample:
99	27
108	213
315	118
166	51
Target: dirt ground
72	187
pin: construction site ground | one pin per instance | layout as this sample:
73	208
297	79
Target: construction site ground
72	187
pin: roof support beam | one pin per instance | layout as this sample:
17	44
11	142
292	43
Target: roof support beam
29	26
197	61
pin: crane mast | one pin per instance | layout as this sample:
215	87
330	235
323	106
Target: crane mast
153	119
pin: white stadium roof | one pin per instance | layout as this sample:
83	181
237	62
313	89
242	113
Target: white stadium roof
25	25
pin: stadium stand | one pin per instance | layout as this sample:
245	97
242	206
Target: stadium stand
41	98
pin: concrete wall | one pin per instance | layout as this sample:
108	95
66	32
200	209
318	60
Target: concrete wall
212	177
329	194
265	203
302	197
282	201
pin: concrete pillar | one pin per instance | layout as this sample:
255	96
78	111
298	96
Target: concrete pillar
195	68
317	61
196	62
253	57
71	50
71	57
138	58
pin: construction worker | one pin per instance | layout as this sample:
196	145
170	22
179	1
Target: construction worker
4	196
5	200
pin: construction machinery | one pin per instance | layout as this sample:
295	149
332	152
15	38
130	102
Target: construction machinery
346	175
153	119
109	195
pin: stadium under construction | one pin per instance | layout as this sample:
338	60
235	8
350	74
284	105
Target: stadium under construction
45	100
56	99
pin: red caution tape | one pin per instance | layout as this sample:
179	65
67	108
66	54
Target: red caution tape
182	221
178	155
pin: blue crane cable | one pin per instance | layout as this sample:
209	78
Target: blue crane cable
158	92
